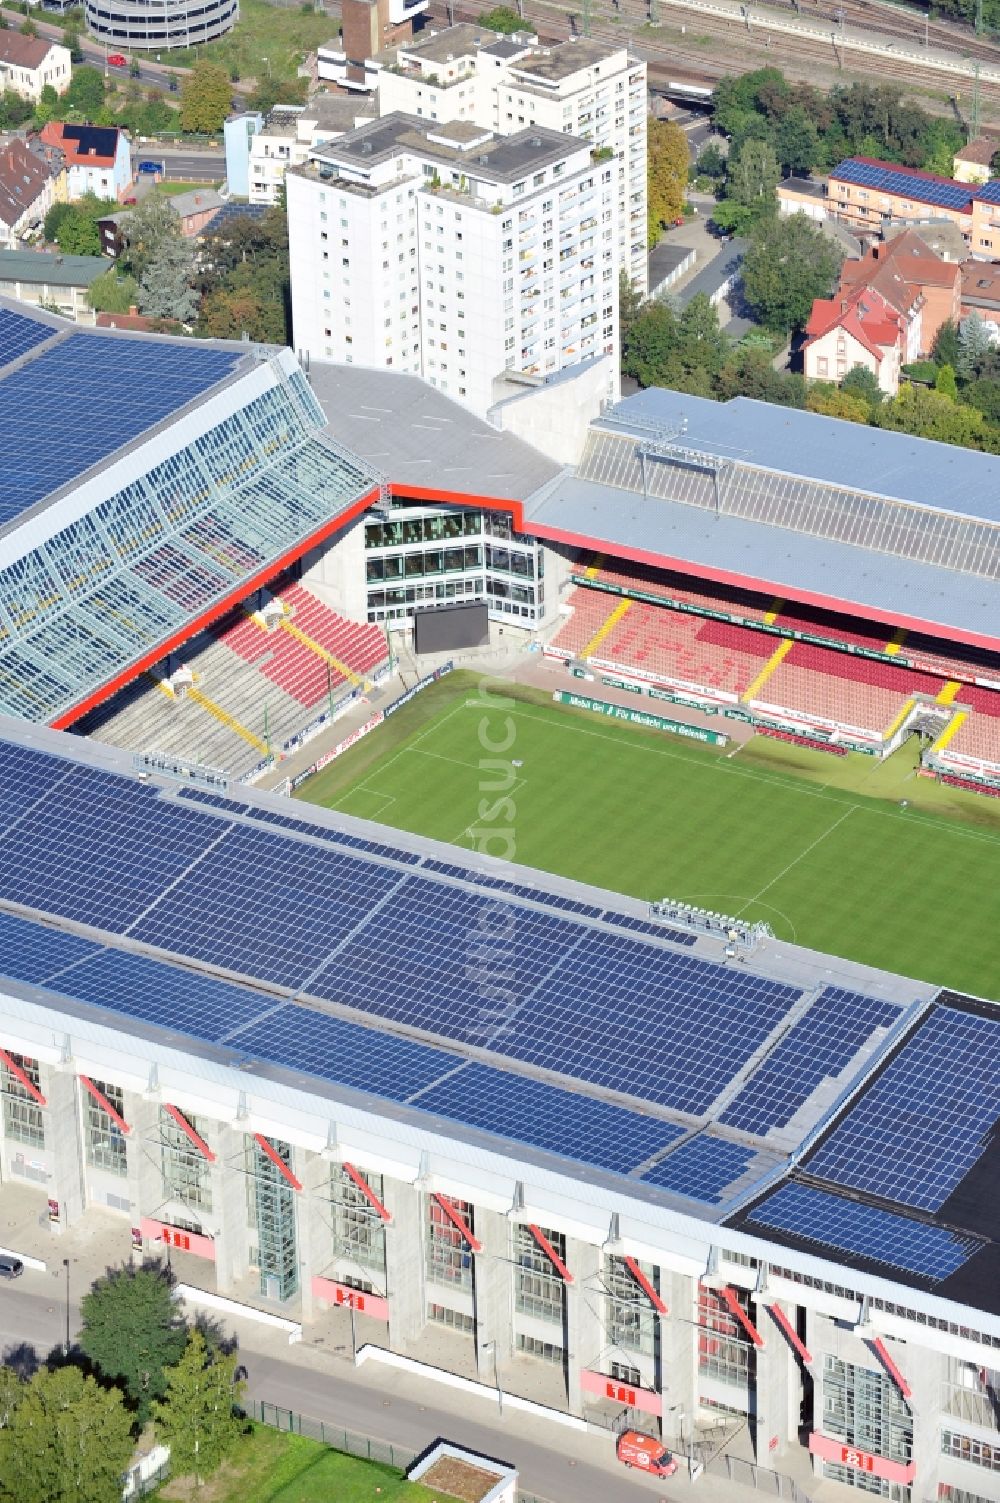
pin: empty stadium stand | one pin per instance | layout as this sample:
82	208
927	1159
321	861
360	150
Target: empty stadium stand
252	688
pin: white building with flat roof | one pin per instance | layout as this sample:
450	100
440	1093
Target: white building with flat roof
584	88
453	253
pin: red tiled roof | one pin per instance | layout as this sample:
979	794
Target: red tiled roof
865	315
23	177
19	51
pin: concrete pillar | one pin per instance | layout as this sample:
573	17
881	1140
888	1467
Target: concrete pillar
584	1316
777	1381
494	1294
64	1143
404	1264
678	1356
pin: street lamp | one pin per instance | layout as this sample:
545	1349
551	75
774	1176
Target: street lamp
491	1346
66	1266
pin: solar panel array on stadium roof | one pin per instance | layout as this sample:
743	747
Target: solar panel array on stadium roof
85	397
168	996
33	952
922	1124
819	1045
25	775
932	1252
543	1115
18	335
887	179
703	1168
300	826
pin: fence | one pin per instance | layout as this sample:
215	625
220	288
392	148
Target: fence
748	1474
336	1436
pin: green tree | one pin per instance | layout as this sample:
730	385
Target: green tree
166	287
67	1441
629	306
945	382
863	383
711	162
54	219
753	175
652	345
667	157
974	346
78	234
12	1391
86	92
701	344
112	293
946	348
833	401
790	262
797	142
501	18
198	1418
47	106
132	1331
930	414
206	97
71	41
152	222
28	28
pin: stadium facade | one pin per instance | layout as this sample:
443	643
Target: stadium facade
529	1133
518	1128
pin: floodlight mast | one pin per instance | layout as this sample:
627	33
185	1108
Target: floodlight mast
740	936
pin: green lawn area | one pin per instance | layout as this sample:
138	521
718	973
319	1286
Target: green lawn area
816	845
272	1467
172	190
265	34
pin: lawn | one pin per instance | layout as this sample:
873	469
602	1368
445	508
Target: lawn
174	189
273	1467
818	846
268	41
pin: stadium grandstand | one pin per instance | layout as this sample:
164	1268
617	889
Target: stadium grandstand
756	1193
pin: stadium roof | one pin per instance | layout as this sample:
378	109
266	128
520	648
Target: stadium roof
146	485
830	513
151	905
421	440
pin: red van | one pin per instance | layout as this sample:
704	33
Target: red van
645	1453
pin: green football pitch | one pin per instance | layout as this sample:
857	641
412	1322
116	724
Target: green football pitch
820	847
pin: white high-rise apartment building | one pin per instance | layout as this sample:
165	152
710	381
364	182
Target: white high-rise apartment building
455	254
584	88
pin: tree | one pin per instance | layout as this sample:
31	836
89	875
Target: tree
501	18
711	162
752	177
701	344
78	234
984	395
198	1418
111	293
974	345
790	262
28	27
929	414
797	142
67	1441
833	401
166	287
151	223
12	1391
47	106
750	372
945	382
85	94
862	383
946	348
132	1331
667	158
206	97
71	41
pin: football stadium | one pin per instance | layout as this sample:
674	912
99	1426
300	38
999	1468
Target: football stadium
629	1116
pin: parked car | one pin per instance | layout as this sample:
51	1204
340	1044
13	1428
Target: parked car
149	167
10	1267
646	1454
129	202
117	60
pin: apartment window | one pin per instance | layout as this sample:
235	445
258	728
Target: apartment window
539	1289
105	1140
449	1257
22	1115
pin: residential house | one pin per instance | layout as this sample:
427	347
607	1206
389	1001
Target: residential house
290	132
50	280
922	287
196	209
28	64
98	158
860	328
366	26
981	293
972	162
27	191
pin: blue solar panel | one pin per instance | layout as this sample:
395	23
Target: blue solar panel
266	906
820	1045
649	926
166	995
25	775
18	335
886	178
543	1116
99	848
933	1252
106	391
345	1053
703	1168
301	826
33	952
989	193
514	889
922	1124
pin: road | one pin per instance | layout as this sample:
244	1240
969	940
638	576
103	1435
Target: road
555	1463
182	164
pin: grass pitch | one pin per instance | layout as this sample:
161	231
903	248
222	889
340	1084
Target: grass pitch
817	846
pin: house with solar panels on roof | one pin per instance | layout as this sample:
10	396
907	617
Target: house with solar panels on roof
783	1243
